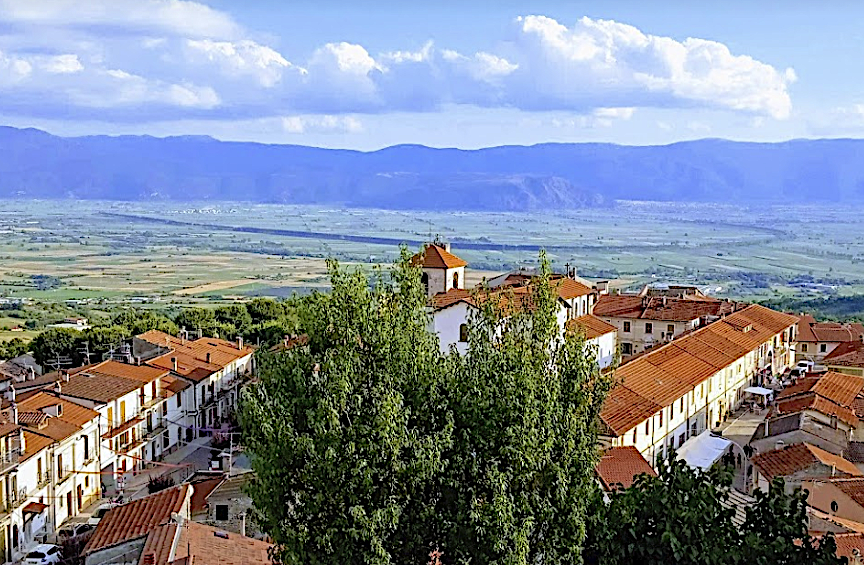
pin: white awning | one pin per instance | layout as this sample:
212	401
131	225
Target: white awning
702	451
758	390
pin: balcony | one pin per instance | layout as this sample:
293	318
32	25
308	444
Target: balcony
64	474
123	449
43	479
9	459
16	499
119	429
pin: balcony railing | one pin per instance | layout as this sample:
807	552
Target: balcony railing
43	479
64	474
9	459
16	499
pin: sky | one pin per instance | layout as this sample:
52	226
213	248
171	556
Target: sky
368	74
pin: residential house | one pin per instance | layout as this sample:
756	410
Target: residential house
797	463
840	497
183	543
646	320
122	534
818	339
128	399
71	470
847	357
678	390
798	427
18	369
214	370
618	468
833	399
226	505
601	337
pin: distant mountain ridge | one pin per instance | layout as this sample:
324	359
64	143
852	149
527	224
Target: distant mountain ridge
36	164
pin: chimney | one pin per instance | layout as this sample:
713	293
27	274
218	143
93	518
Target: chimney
149	558
208	357
664	302
200	333
174	364
65	376
447	246
14	410
10	393
239	342
243	524
58	388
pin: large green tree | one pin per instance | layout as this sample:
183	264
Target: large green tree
373	446
140	321
681	517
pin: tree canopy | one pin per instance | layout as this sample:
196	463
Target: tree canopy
680	517
371	445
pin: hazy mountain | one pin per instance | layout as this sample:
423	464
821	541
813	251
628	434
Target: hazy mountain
36	164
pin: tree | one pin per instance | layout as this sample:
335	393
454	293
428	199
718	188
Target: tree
140	321
372	446
680	517
55	342
347	433
193	319
13	348
235	315
161	482
264	310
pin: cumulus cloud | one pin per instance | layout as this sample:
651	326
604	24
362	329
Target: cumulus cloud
198	62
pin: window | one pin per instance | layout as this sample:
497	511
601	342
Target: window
455	279
660	424
626	348
179	398
627	327
823	347
634	435
221	511
681	407
424	278
463	333
60	467
122	411
710	380
701	390
671	410
647	427
86	481
86	448
649	328
670	329
110	417
804	348
834	506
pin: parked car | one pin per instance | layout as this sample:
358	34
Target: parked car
99	513
44	554
805	366
75	529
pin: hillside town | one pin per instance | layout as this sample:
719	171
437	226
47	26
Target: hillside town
136	458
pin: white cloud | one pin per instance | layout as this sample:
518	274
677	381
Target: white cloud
191	58
321	124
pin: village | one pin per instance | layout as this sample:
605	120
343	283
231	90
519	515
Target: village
136	458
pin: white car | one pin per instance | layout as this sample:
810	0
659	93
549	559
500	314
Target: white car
805	366
43	554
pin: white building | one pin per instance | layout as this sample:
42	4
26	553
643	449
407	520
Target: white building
816	340
601	337
680	389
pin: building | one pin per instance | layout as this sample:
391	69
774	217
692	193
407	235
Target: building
678	390
442	271
797	463
185	543
847	357
838	497
225	505
213	368
818	339
831	399
619	466
122	534
601	337
798	427
648	319
70	467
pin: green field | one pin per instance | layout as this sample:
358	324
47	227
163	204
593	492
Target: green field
105	261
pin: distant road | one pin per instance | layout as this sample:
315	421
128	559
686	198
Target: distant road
462	244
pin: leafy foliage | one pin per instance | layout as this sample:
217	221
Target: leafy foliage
72	344
161	482
193	319
13	348
372	446
140	321
679	517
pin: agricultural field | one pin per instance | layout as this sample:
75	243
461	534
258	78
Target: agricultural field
166	255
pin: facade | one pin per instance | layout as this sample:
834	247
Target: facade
840	497
601	337
442	271
797	463
680	389
227	506
818	339
646	320
799	427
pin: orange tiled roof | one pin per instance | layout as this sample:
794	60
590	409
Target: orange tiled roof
202	489
848	354
71	412
34	443
191	355
137	519
809	330
590	326
800	456
98	387
840	388
624	409
436	257
817	403
619	466
667	373
848	544
568	288
853	488
663	308
199	544
141	373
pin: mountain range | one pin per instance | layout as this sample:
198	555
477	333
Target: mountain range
36	164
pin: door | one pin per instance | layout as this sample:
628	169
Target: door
69	509
80	496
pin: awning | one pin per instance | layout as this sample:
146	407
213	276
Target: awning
758	390
702	451
34	508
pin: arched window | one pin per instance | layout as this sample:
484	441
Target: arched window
425	280
463	333
834	506
455	279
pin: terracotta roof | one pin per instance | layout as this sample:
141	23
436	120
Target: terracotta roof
436	257
199	544
7	428
800	456
34	507
191	355
619	466
855	452
853	488
624	409
290	343
32	418
34	443
138	518
817	403
809	330
848	544
590	326
663	308
203	488
840	388
98	387
141	373
666	373
568	288
70	411
848	354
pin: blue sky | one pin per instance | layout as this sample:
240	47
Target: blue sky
367	74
